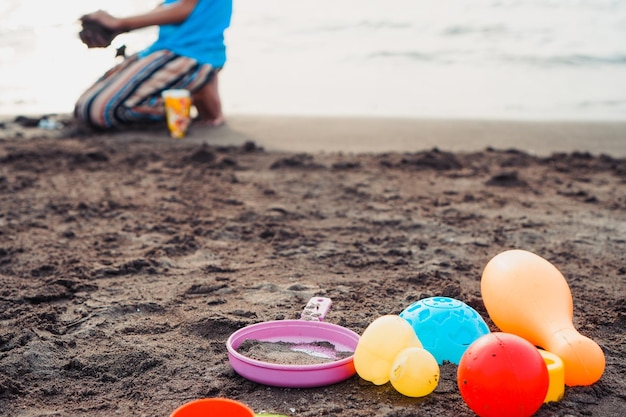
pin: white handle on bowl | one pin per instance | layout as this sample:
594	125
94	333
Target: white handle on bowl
316	309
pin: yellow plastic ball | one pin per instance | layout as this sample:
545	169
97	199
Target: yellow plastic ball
378	346
415	372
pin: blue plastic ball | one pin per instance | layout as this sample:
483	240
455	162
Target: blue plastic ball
445	326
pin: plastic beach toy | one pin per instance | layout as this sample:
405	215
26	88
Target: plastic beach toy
502	374
306	334
445	326
414	372
556	373
208	407
378	346
526	295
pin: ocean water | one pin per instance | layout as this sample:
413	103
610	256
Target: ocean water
502	59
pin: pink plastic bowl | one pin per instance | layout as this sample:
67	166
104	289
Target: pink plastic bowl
294	331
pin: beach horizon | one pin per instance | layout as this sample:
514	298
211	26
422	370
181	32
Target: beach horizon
367	134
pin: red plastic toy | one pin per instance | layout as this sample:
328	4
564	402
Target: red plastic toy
503	375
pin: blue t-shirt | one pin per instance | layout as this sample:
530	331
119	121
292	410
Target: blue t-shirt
200	36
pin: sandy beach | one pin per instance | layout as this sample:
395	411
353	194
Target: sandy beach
127	259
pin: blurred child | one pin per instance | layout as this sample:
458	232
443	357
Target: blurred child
188	54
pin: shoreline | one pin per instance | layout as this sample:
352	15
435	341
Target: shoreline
379	135
363	134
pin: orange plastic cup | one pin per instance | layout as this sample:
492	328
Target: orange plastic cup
209	407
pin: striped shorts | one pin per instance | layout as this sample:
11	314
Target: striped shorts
130	92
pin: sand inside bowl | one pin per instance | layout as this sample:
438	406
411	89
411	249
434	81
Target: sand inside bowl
287	353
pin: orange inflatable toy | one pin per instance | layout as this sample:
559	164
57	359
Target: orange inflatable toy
526	295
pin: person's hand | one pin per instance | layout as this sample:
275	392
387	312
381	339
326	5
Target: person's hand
99	29
105	19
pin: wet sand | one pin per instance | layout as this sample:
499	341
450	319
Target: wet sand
363	135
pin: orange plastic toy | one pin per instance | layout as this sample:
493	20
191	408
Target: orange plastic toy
206	407
526	295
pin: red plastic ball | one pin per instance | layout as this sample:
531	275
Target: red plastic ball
502	375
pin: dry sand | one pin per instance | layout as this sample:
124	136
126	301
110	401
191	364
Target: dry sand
126	260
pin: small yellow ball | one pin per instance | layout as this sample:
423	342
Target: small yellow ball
415	372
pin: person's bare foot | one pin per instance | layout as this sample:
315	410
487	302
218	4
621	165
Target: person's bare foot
220	121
